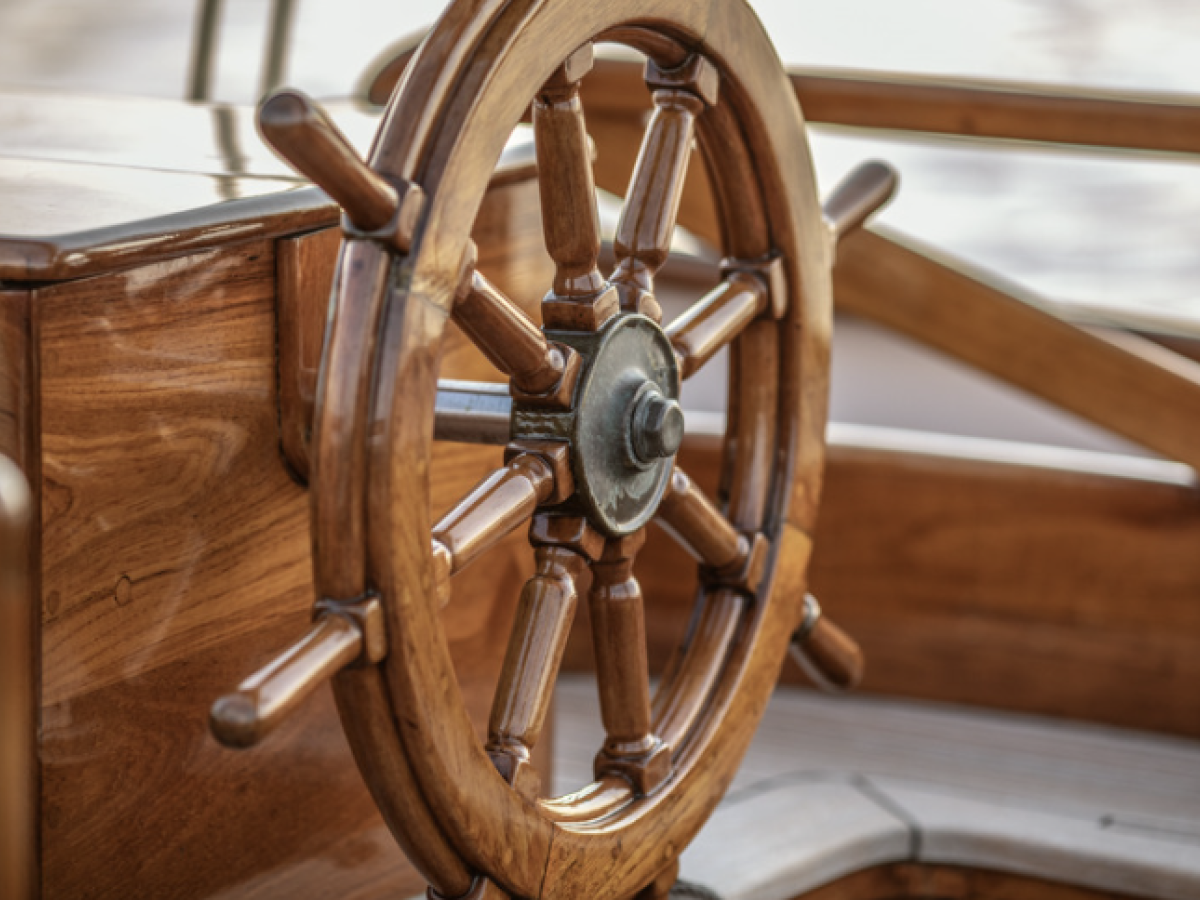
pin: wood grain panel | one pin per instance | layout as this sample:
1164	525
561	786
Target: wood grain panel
15	375
176	561
992	582
1015	586
18	681
20	543
305	277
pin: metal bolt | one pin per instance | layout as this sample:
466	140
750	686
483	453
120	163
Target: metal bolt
657	426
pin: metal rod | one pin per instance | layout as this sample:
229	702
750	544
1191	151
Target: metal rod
279	34
472	412
204	50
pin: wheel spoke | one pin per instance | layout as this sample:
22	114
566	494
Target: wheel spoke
496	506
716	319
472	412
643	237
508	338
693	520
622	671
863	191
570	215
305	136
531	664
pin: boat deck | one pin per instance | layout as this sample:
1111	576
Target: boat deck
833	785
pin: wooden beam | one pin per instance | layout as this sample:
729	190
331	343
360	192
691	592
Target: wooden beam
1122	382
976	108
1138	121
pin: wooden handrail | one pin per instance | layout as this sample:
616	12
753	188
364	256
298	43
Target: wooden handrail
1120	381
975	108
1029	112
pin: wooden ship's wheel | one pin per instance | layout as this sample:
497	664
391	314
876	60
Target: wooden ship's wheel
591	433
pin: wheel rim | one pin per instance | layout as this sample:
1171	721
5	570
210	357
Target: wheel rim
446	125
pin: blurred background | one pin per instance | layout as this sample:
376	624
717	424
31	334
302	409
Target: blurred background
1106	237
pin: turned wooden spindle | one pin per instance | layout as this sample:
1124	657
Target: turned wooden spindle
570	216
343	634
829	656
856	197
496	506
508	338
729	557
306	137
643	238
535	649
716	319
698	525
622	671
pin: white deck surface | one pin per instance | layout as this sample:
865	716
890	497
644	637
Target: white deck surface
834	785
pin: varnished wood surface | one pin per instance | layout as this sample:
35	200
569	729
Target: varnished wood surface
867	188
18	679
153	608
510	255
1123	382
304	135
979	108
373	524
828	655
508	337
16	376
244	717
66	220
616	612
94	183
996	109
1052	582
114	594
176	561
304	272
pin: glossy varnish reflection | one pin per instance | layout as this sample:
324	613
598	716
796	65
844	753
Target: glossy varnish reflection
18	711
174	549
176	560
175	541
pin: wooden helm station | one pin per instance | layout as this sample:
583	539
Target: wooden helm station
393	431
